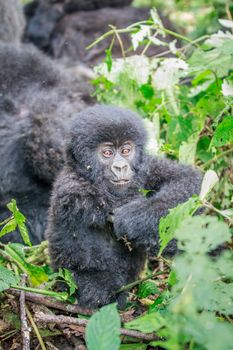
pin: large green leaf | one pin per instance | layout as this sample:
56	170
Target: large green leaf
147	323
103	329
173	220
201	234
218	56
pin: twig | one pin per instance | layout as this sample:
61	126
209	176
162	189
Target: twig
220	212
131	28
53	303
25	329
36	330
119	40
220	155
61	319
135	283
8	335
119	31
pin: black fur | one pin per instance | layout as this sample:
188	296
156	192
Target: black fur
88	5
37	100
80	236
65	28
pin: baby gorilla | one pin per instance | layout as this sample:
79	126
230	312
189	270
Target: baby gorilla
100	225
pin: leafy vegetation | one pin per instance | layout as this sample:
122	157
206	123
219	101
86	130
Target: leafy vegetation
186	100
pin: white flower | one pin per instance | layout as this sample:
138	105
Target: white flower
227	88
169	72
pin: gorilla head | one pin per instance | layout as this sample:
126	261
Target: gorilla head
107	145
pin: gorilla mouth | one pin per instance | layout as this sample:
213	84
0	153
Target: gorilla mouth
121	182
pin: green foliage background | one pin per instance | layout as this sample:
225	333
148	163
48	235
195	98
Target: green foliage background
186	100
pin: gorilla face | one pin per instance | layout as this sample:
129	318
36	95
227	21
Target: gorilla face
106	147
117	160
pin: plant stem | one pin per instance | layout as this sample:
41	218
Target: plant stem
119	40
181	37
119	31
38	291
135	283
220	155
36	330
210	206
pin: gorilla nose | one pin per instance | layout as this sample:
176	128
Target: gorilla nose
120	170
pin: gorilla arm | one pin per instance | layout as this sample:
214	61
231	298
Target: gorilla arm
171	183
75	208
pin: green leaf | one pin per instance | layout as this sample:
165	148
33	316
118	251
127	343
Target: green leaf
133	347
222	298
7	278
108	59
208	231
12	319
224	132
35	273
212	103
103	329
8	227
148	323
19	220
187	150
69	278
217	57
147	91
172	278
173	220
203	152
24	233
147	288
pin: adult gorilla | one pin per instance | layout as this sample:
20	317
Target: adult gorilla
100	226
64	28
37	101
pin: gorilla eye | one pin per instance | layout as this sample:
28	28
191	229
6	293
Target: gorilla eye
125	151
107	153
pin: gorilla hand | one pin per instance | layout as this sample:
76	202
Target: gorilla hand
136	222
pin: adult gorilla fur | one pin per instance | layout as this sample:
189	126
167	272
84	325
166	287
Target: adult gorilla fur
65	28
37	100
81	238
12	21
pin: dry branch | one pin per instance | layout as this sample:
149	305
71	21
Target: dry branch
51	302
61	319
25	329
